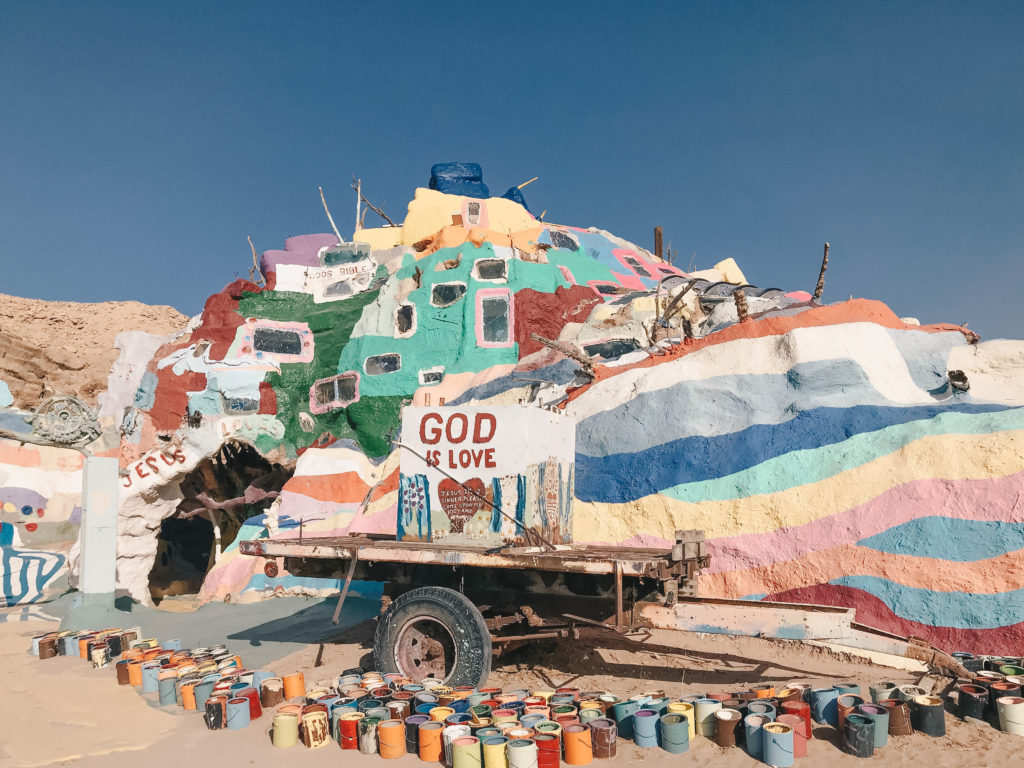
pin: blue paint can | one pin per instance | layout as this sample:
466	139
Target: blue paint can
150	677
754	732
238	713
165	688
675	733
778	745
623	712
824	707
755	707
174	644
645	728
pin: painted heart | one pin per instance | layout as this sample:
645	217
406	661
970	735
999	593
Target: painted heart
458	502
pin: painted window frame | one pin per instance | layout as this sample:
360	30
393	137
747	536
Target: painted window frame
333	405
593	285
494	293
563	233
382	354
622	254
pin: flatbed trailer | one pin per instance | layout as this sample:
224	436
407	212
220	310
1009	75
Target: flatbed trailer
448	608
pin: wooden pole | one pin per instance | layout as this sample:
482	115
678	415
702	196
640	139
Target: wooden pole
659	247
329	217
741	305
821	276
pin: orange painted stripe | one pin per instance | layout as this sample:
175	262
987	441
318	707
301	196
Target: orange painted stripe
345	487
19	456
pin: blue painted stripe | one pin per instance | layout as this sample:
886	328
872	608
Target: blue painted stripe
721	405
815	465
629	476
948	538
960	610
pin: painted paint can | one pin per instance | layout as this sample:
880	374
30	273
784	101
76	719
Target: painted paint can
645	728
285	730
847	688
100	655
165	689
579	749
348	729
880	717
368	741
882	690
122	673
294	685
972	701
466	752
777	745
69	645
237	714
1000	689
859	735
448	736
271	692
315	731
727	722
412	725
215	713
430	746
1011	714
684	708
763	690
528	721
845	705
799	739
823	706
522	753
603	737
753	726
802	710
908	692
899	717
704	712
928	716
758	707
549	751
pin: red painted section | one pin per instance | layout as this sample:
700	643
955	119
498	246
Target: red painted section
1006	640
853	311
546	314
170	402
221	319
268	399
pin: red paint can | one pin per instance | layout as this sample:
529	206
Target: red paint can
549	750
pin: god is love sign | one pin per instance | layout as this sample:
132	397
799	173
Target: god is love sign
467	460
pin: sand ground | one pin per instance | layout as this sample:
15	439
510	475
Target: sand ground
62	712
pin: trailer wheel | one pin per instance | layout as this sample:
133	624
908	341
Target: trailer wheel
434	632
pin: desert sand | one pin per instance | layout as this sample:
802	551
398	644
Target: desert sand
62	712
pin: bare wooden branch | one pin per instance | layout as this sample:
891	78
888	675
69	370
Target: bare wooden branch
255	266
527	183
358	187
659	246
417	276
569	350
359	202
741	305
329	217
821	276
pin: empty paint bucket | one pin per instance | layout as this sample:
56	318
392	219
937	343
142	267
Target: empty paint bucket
727	722
757	707
799	739
549	751
604	738
883	690
645	728
908	692
286	730
899	717
1000	689
704	712
846	704
622	713
823	706
972	701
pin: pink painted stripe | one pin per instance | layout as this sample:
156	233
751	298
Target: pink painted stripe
988	499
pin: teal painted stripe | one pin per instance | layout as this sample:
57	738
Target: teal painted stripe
813	465
948	538
961	610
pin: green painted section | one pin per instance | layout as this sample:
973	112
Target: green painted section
444	335
368	421
584	268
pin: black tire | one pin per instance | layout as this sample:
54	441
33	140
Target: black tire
434	619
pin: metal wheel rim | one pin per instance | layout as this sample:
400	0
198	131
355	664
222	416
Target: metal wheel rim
417	634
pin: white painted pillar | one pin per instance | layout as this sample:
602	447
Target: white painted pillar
98	565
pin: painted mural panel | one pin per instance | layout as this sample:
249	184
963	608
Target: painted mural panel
464	474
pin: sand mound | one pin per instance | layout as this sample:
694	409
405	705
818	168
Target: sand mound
67	347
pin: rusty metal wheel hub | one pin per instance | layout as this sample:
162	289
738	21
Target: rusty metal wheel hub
425	648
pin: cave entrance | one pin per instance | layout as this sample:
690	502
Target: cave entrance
218	496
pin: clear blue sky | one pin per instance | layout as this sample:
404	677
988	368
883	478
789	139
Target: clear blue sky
140	142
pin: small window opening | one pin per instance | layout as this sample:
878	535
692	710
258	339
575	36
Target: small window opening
446	294
491	269
562	241
495	319
473	212
277	341
432	375
378	364
637	266
405	318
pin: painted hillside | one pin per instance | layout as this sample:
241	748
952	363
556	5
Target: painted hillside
822	447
